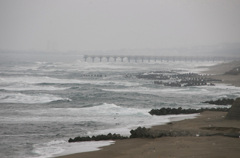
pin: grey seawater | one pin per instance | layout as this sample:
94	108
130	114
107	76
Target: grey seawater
43	104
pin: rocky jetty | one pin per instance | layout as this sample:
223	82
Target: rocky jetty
141	132
175	111
109	136
224	101
175	79
94	75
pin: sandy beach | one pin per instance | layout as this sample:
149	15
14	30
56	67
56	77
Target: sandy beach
218	72
206	141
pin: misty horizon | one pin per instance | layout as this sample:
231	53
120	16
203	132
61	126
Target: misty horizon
88	26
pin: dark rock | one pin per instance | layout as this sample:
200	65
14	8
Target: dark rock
174	111
110	136
224	101
177	80
140	132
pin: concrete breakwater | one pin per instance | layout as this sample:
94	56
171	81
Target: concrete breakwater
223	101
176	111
93	75
175	79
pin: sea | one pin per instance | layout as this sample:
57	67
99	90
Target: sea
43	102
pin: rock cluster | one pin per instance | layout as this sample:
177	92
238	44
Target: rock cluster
109	136
224	101
174	79
93	75
141	132
173	111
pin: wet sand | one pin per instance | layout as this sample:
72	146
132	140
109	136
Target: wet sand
196	146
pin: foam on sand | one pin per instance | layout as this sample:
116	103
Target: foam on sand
60	147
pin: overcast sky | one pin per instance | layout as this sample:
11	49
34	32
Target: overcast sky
63	25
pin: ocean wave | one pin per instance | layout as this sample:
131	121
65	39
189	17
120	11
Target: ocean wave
28	99
48	149
46	81
20	86
112	109
217	90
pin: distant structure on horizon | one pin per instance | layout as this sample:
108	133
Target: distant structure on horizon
122	58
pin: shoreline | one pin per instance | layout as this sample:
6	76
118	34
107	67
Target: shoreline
183	146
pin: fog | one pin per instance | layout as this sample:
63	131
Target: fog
113	26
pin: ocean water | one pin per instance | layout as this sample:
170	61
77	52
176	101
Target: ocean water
43	104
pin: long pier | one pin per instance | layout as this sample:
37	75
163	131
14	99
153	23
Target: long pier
123	58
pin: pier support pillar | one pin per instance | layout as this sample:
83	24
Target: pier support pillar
122	59
129	59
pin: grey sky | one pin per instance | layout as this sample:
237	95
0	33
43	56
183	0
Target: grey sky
63	25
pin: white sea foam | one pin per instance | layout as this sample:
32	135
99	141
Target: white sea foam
27	98
43	66
21	82
112	109
60	147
